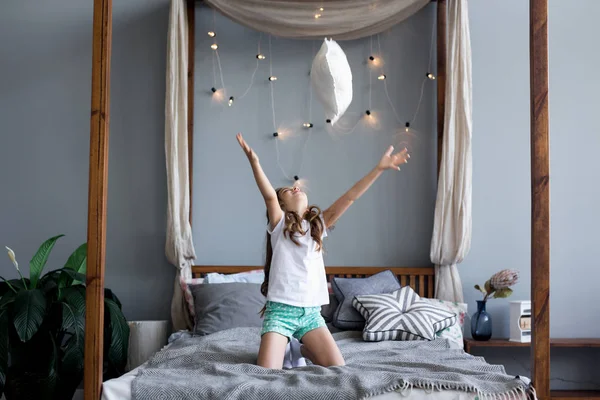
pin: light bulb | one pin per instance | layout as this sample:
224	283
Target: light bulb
381	77
272	78
307	125
431	76
214	90
317	16
321	9
368	112
230	101
260	56
214	46
371	58
296	178
212	34
328	121
275	134
407	126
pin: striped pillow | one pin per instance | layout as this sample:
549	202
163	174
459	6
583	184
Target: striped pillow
401	315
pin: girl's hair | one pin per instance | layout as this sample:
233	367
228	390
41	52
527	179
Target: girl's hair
291	228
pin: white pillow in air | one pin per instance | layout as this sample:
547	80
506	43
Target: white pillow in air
331	79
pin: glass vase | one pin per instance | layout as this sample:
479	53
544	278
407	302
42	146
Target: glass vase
481	323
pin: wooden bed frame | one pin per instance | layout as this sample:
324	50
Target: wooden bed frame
540	190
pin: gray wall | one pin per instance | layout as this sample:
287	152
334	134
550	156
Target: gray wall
45	72
391	225
501	173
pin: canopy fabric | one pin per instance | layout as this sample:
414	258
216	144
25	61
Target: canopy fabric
339	19
179	247
451	240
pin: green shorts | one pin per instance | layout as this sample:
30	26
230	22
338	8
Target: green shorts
290	320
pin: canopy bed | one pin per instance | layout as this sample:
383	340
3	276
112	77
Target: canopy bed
452	226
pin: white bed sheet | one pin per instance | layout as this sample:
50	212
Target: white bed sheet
120	389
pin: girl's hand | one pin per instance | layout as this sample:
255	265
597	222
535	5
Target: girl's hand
393	161
252	157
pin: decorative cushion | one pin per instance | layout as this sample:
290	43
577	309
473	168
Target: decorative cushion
345	316
331	79
187	293
453	333
327	310
226	306
401	315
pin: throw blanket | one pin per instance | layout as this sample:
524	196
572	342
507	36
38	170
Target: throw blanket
222	366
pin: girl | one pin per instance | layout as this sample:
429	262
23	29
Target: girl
295	282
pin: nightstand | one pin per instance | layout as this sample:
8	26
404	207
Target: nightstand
471	345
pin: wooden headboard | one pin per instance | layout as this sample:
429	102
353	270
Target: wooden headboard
421	279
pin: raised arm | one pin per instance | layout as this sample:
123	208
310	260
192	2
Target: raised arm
388	161
265	187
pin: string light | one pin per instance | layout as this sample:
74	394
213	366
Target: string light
321	9
214	90
368	112
272	78
260	56
431	76
381	77
407	125
275	134
230	101
328	121
317	16
212	34
307	125
214	46
371	58
296	178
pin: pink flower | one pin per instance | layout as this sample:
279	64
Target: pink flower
504	279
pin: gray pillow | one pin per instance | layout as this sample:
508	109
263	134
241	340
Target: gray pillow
345	316
223	306
327	310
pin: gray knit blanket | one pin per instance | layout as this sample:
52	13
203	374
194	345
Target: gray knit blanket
222	366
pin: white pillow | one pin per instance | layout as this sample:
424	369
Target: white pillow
255	276
455	332
331	79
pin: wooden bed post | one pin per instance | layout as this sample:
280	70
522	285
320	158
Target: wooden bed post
442	17
191	16
97	194
540	197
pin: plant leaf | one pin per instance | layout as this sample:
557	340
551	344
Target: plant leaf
480	289
7	299
119	340
6	286
75	297
503	293
77	262
37	263
488	287
73	322
3	348
72	360
29	312
108	294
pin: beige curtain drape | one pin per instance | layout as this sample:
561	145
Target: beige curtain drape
451	238
179	246
339	19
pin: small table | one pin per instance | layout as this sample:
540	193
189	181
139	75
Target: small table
471	344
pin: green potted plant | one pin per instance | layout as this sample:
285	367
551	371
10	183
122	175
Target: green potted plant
42	321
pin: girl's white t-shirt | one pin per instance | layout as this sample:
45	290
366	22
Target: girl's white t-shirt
297	275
